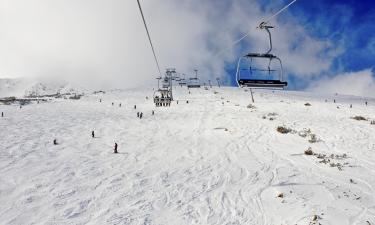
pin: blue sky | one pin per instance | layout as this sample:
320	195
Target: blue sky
348	24
348	21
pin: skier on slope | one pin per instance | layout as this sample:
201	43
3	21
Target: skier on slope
115	149
92	134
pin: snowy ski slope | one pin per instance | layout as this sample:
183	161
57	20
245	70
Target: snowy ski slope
211	161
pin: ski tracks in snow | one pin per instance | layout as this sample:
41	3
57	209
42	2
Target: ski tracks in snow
199	163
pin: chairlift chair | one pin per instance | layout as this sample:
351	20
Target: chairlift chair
193	83
274	80
182	82
165	83
162	97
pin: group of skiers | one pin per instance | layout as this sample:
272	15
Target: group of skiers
93	136
351	105
115	148
119	105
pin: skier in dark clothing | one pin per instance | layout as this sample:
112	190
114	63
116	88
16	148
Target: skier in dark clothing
135	106
55	142
100	100
140	115
119	105
334	100
115	149
113	103
351	106
366	103
92	134
153	112
2	114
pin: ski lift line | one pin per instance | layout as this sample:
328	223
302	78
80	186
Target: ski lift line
261	25
149	37
280	11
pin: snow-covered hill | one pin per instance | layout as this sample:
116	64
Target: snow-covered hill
13	87
212	160
36	87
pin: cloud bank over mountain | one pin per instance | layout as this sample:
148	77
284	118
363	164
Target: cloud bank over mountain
360	83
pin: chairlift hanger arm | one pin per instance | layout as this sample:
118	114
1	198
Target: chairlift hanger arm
263	24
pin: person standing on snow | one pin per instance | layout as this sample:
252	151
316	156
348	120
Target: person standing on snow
92	134
115	149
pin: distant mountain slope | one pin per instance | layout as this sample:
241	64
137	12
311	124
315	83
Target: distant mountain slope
38	87
13	87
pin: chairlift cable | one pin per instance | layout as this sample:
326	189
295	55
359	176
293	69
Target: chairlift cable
149	38
264	23
280	11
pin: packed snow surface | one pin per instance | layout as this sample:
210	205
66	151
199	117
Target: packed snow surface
213	160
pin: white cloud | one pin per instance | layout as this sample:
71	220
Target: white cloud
104	41
360	83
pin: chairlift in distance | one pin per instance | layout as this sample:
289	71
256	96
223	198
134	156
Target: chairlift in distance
164	95
182	81
194	81
165	82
